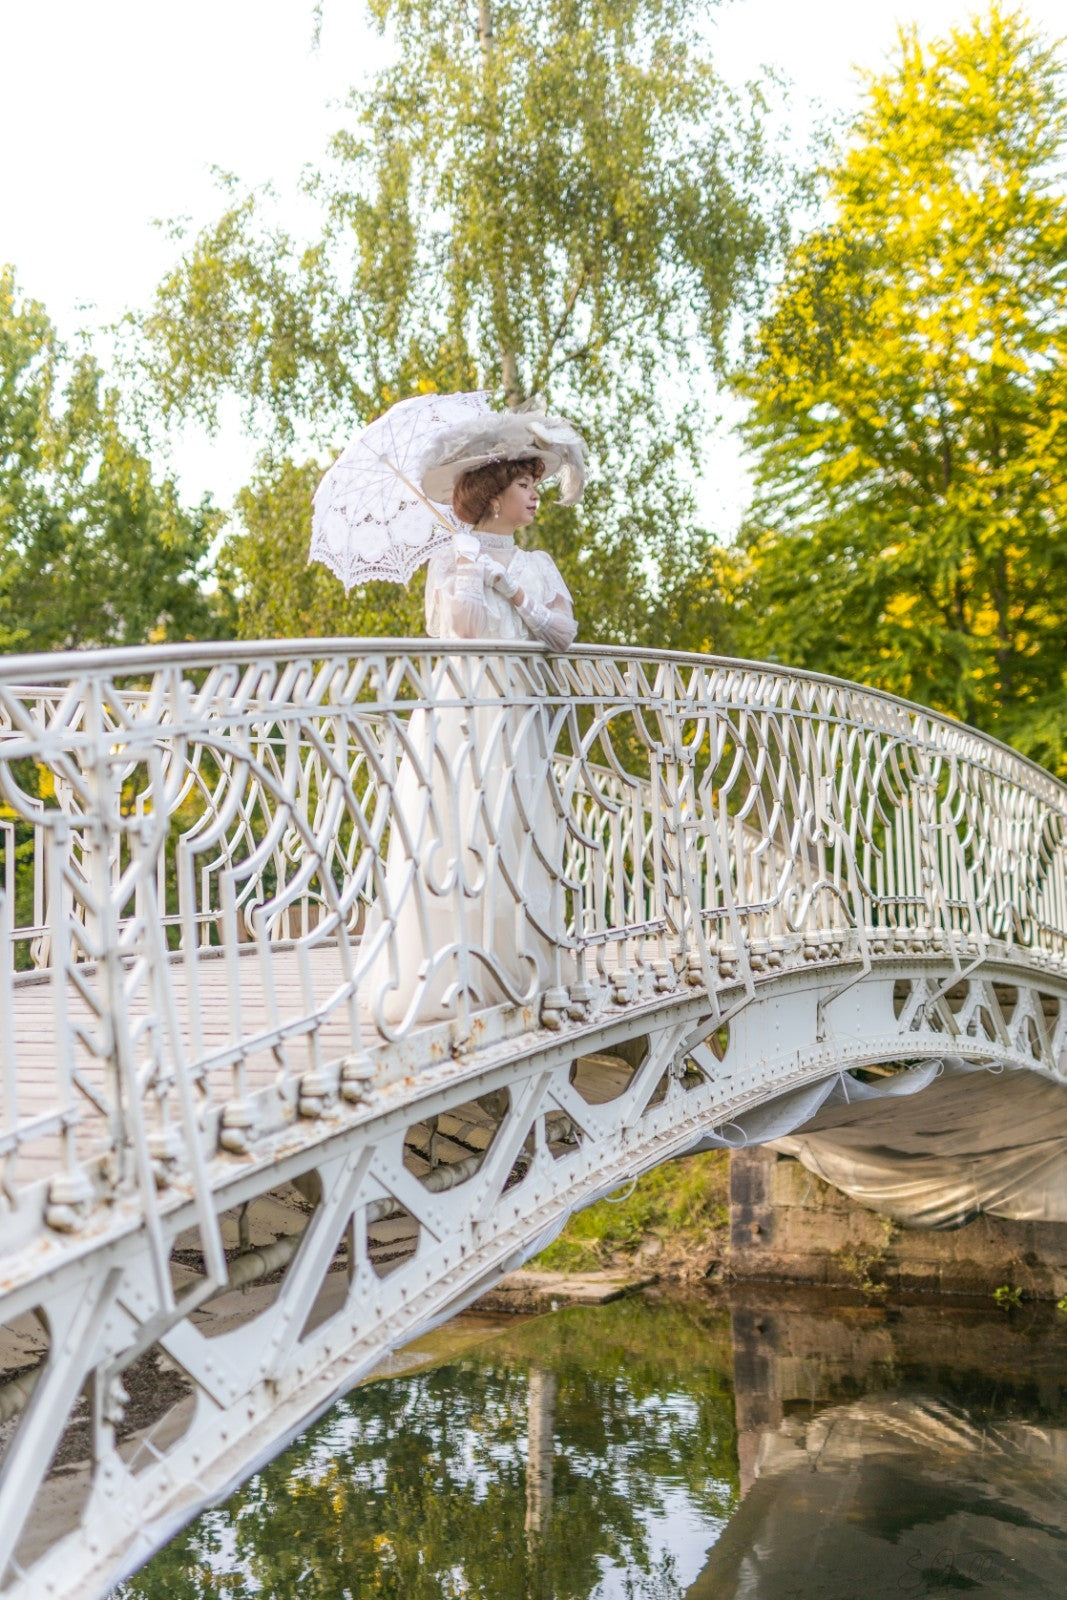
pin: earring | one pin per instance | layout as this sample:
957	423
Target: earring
495	508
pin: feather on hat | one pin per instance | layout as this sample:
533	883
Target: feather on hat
505	436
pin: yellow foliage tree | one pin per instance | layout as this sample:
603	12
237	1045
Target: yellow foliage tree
909	397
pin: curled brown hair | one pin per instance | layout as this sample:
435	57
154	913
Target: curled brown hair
475	492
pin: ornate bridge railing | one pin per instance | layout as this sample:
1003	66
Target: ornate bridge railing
243	884
623	821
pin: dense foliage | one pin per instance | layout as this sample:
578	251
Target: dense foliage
94	549
909	394
680	1207
544	197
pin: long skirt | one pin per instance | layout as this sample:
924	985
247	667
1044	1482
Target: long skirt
470	902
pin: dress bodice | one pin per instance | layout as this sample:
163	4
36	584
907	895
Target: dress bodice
482	613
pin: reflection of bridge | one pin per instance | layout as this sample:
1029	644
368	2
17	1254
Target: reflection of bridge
929	1448
255	1131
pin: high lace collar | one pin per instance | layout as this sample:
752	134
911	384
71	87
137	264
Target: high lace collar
494	544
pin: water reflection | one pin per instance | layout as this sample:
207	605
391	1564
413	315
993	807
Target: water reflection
898	1452
549	1463
603	1454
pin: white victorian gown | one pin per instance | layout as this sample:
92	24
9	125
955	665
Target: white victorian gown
471	901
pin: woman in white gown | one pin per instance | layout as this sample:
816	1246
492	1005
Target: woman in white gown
472	901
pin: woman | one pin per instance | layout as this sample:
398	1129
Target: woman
471	906
485	586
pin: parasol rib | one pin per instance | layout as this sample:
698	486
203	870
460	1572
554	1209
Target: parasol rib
385	461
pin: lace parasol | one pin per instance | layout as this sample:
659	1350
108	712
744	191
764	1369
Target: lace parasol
371	519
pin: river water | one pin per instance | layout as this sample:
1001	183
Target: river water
772	1445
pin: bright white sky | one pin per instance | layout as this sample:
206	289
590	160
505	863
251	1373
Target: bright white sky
113	113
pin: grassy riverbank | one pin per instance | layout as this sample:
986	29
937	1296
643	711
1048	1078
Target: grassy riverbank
673	1221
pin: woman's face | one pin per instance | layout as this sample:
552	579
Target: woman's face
518	503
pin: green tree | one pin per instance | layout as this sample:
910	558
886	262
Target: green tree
909	395
277	592
545	197
93	550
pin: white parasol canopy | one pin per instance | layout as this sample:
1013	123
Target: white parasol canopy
371	519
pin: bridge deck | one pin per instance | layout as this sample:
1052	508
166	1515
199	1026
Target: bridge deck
309	1040
296	1037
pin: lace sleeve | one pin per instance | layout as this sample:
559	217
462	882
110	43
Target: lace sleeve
549	609
456	606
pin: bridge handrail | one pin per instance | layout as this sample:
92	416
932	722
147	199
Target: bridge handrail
34	671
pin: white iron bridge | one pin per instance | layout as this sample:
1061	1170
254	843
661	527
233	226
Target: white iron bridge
334	975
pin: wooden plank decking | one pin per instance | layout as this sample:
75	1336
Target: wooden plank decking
228	1021
311	1039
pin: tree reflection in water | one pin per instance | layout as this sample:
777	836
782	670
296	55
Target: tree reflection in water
884	1450
543	1467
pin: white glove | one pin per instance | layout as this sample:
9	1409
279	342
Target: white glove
536	617
550	626
498	578
465	546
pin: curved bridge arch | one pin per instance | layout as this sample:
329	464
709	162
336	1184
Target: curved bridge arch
765	889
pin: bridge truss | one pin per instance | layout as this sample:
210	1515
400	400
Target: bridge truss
335	976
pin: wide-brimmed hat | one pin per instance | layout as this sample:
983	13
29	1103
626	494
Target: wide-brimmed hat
505	436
